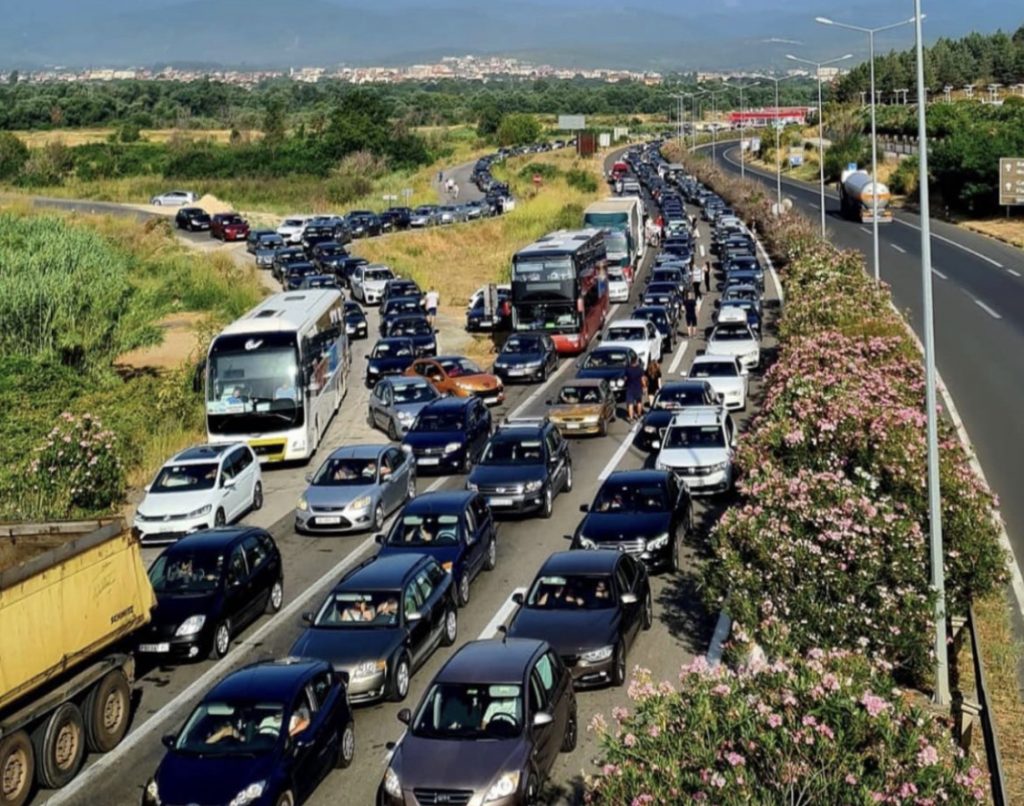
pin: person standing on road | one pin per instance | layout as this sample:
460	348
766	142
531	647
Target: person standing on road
690	306
653	380
432	299
635	382
707	276
440	177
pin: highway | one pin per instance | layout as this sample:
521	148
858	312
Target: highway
979	326
165	694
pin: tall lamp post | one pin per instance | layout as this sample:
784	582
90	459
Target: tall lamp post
714	121
778	138
693	96
874	138
741	87
821	124
679	115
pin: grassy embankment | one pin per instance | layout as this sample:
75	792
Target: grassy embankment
282	195
458	260
76	294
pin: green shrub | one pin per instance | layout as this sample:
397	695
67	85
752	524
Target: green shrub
13	155
582	180
542	169
904	179
518	128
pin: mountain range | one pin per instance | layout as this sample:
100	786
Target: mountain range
661	35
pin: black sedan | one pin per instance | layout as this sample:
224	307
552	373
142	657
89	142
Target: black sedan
607	363
417	328
449	434
590	606
192	219
382	621
526	357
666	295
265	734
645	513
285	258
296	273
363	224
388	357
400	287
345	266
673	398
319	281
327	256
209	586
398	216
395	307
356	326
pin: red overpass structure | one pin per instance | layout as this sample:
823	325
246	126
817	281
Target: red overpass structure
769	116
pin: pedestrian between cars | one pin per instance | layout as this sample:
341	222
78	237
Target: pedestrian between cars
707	276
690	306
653	380
636	380
431	301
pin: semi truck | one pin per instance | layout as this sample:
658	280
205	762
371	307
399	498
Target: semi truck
71	595
623	215
856	197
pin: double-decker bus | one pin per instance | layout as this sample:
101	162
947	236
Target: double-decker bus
275	377
559	286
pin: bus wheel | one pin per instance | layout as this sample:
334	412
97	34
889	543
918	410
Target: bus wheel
107	708
16	764
59	744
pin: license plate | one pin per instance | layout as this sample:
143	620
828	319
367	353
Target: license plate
500	502
328	520
428	460
573	426
517	372
155	647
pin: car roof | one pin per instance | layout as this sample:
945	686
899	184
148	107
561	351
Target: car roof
441	501
637	476
358	451
491	661
578	382
580	562
275	680
202	453
383	571
215	539
448	404
629	323
402	341
698	415
713	358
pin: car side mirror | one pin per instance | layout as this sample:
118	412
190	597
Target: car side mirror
309	478
168	740
307	617
628	598
379	539
414	616
518	597
744	371
542	718
549	403
584	507
146	488
405	716
228	483
567	537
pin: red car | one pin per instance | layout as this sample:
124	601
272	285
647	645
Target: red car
229	227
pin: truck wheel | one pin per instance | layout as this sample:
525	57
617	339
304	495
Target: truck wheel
59	744
16	764
106	710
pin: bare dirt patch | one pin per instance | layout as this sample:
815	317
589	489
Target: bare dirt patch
181	337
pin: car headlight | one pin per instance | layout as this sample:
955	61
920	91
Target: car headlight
406	449
190	626
203	510
717	467
533	486
153	792
368	668
405	417
302	503
658	543
587	543
532	365
451	447
650	429
591	419
618	383
504	787
752	355
363	502
597	655
391	783
249	794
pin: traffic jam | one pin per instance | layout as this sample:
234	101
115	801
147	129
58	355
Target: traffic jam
548	502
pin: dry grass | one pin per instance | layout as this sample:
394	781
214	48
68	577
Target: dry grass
78	137
1009	230
459	259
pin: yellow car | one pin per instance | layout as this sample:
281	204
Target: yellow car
583	407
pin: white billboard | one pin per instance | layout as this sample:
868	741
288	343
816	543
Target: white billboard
572	123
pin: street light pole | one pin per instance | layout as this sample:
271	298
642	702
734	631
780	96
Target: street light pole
821	126
874	137
714	122
740	87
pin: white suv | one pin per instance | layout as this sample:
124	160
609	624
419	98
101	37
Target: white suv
727	377
641	336
368	283
201	487
291	229
698	448
735	339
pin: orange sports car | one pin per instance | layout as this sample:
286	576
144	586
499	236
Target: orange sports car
458	376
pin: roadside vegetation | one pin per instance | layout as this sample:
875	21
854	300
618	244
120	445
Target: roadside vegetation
77	293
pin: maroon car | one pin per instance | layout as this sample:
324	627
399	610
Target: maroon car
229	227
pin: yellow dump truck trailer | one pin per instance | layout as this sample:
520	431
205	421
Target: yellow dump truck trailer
70	596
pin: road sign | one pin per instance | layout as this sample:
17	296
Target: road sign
1011	181
407	192
851	166
795	160
572	123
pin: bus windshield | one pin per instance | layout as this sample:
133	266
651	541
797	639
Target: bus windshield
253	390
547	316
549	269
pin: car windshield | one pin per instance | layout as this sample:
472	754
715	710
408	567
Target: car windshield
428	529
185	478
677	398
330	250
186	572
661	288
601	359
349	609
510	451
232	729
659	318
470	712
571	395
384	349
626	334
412	327
346	473
731	333
713	369
522	344
401	305
695	436
455	367
575	592
439	421
620	497
413	392
377	274
616	276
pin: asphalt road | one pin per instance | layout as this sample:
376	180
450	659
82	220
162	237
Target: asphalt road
166	694
978	292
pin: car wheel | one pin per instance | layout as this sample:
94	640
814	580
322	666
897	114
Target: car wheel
568	478
648	621
571	731
548	504
257	496
221	640
285	799
347	747
411	492
219	519
673	559
619	665
543	373
602	429
393	432
378	518
467	462
492	555
533	791
451	627
276	598
399	684
157	203
463	590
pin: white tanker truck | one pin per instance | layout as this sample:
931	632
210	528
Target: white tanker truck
856	191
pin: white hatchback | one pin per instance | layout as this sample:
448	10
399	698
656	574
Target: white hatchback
735	339
639	335
727	377
618	286
201	487
698	448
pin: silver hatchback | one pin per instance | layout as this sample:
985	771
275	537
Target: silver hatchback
396	402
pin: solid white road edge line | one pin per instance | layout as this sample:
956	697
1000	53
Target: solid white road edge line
938	273
1014	272
500	617
986	309
950	241
714	655
627	441
678	357
230	661
898	248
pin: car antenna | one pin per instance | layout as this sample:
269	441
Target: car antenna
504	633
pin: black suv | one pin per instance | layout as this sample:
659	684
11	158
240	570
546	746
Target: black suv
284	258
192	219
449	434
399	217
363	224
525	464
526	357
327	256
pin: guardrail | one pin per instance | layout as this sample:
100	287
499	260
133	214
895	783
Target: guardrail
968	712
